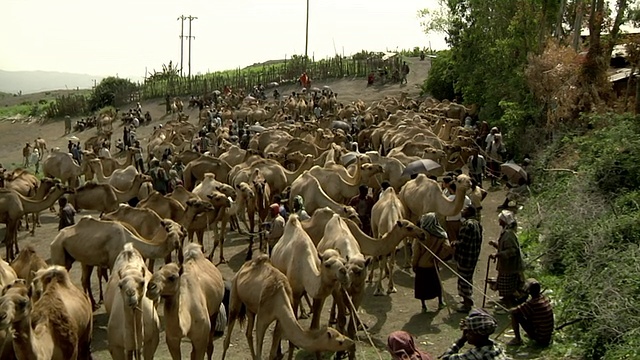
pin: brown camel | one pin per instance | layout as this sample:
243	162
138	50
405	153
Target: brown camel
28	263
192	296
260	290
95	242
104	197
58	326
134	327
196	169
317	274
13	206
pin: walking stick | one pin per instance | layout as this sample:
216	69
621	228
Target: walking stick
486	283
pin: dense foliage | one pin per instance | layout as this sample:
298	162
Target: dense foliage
586	228
111	91
441	81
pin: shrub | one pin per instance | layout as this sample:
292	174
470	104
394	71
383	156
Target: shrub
441	80
111	91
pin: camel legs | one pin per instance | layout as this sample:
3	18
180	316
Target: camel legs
212	331
150	347
173	343
219	239
86	285
382	265
316	309
391	264
276	350
407	256
10	236
251	318
234	312
261	328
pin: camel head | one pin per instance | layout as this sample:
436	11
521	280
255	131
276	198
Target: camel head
332	268
132	285
43	278
141	178
369	170
245	190
226	189
296	156
164	282
14	304
219	199
175	233
463	183
350	213
200	206
330	339
280	158
357	269
409	229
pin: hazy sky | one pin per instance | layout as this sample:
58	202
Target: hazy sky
124	36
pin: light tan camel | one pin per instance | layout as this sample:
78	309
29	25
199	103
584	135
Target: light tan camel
60	165
95	242
13	206
58	326
338	188
192	297
28	263
7	277
393	169
120	179
310	272
422	195
209	184
314	196
337	236
104	197
109	165
385	215
315	226
260	290
134	326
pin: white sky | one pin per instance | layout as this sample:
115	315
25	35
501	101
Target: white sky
124	36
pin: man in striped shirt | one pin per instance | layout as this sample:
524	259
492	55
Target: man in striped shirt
535	316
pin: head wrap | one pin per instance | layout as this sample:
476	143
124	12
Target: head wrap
299	201
429	223
275	209
479	322
507	217
401	344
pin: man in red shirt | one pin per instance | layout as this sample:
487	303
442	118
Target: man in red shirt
535	316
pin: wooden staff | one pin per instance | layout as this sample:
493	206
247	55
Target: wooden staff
486	283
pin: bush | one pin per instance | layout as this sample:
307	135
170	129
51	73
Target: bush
586	228
111	91
441	81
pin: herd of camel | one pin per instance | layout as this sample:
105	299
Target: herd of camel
44	316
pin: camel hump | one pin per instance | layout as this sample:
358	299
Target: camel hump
53	273
260	259
192	251
89	185
128	247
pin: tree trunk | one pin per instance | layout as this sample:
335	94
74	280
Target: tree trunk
577	25
559	32
637	107
626	94
615	28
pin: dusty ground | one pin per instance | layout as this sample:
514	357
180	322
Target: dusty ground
435	330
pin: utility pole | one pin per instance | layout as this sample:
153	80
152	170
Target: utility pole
306	42
191	18
182	17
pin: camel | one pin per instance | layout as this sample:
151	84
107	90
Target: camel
261	201
275	174
386	213
260	290
148	223
192	296
109	165
315	226
58	326
22	181
104	197
234	155
196	169
314	196
120	179
337	187
337	236
13	206
393	169
27	264
7	277
134	326
165	207
95	242
316	274
209	184
60	165
422	195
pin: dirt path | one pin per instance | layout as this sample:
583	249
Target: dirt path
435	330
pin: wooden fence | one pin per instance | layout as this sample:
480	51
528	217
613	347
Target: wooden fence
284	73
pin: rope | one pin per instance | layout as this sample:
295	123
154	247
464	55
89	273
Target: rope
137	353
460	277
354	314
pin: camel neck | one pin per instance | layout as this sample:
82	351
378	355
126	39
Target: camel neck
24	341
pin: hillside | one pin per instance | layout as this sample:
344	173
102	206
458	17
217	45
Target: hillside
34	81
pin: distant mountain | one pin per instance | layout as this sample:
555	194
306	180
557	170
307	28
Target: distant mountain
36	81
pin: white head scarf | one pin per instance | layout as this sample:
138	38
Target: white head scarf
507	217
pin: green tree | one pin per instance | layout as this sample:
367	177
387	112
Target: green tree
111	91
441	81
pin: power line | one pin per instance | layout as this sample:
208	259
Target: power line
191	18
182	17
